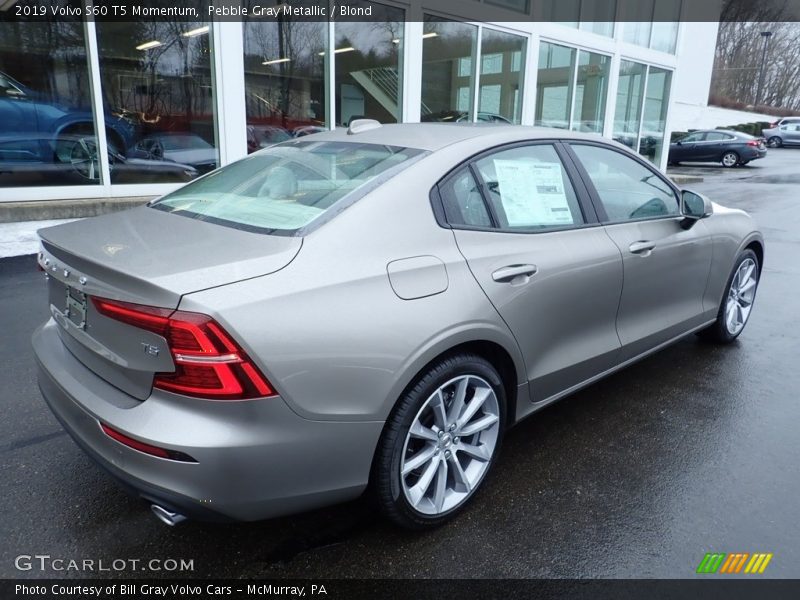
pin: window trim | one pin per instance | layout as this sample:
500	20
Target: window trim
595	196
587	208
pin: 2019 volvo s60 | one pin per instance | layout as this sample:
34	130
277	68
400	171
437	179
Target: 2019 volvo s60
372	308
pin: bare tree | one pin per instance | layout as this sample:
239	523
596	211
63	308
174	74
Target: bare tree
738	58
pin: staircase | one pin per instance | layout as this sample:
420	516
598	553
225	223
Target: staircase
382	83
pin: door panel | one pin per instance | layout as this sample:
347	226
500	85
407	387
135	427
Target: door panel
563	314
556	282
662	293
665	266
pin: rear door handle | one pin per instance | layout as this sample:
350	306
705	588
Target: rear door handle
642	247
511	271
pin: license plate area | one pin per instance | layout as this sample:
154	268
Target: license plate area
76	307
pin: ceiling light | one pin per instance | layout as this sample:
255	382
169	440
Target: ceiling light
339	50
148	45
276	61
194	32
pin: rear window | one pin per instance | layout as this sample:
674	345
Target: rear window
285	188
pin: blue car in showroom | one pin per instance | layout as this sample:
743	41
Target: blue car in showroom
25	111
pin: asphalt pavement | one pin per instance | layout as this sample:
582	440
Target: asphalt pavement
691	451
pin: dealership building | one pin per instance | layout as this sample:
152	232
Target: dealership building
114	110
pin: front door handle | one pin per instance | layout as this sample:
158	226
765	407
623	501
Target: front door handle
512	271
642	248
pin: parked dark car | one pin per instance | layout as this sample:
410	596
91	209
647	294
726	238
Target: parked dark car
731	148
461	116
180	147
263	136
23	110
304	130
35	159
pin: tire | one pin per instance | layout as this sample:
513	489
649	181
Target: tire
775	142
722	331
423	479
730	159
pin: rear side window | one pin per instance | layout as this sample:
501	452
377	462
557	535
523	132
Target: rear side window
286	187
463	203
529	189
715	136
627	189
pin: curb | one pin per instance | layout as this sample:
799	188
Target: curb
45	210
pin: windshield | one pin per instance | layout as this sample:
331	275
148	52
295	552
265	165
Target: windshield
285	187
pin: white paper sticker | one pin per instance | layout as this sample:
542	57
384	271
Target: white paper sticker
532	193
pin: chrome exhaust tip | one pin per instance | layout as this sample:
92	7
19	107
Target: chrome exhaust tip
167	516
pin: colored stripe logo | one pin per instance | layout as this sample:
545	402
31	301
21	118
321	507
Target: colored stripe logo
735	562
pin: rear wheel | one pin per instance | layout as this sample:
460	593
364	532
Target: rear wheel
730	159
737	304
440	442
775	142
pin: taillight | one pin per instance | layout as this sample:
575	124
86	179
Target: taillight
208	362
754	143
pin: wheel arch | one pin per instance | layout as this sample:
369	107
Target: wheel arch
501	354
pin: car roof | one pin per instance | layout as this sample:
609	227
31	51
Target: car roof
435	136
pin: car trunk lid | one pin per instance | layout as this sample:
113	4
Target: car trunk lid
149	257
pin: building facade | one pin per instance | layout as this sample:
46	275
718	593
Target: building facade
110	110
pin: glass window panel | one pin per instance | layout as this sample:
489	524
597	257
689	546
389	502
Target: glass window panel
528	189
499	76
47	134
157	74
651	143
284	80
590	93
564	12
628	190
667	14
447	87
628	110
367	54
554	85
515	5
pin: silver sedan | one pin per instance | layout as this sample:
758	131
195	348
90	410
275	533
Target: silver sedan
370	309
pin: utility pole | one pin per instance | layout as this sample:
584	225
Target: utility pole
766	35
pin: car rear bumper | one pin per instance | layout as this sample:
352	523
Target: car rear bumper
255	459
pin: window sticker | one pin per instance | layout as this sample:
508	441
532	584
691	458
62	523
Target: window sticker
532	193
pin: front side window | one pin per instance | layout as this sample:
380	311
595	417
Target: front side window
692	137
627	189
285	187
528	189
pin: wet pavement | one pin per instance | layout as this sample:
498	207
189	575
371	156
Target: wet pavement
690	451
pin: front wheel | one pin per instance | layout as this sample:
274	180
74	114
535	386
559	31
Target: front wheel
737	304
730	159
440	442
775	142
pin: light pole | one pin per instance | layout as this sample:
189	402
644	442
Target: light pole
766	35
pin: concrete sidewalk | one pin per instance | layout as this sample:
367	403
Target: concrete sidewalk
17	239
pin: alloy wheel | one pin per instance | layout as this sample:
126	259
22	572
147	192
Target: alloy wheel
84	159
740	296
730	159
450	444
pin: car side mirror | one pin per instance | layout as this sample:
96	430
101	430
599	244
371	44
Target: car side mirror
694	207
